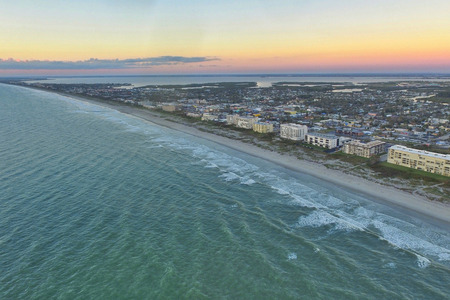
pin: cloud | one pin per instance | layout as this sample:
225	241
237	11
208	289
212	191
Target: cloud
95	63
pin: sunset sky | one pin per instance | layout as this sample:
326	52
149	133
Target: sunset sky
50	37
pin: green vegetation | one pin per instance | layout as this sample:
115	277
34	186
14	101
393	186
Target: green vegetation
436	191
441	97
226	85
301	83
353	159
385	86
267	137
310	147
391	170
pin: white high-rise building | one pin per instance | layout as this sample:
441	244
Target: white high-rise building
246	122
293	132
322	140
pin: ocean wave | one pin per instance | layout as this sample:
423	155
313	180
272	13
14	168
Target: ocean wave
319	218
422	262
230	176
305	201
330	210
292	256
402	239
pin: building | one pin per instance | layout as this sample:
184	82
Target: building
245	122
420	160
322	140
344	140
364	149
169	108
263	127
241	121
232	119
194	115
209	117
293	132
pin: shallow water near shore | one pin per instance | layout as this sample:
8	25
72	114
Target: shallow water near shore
98	204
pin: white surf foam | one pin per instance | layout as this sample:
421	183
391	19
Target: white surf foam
402	239
319	218
305	201
247	181
292	256
340	221
331	210
422	262
230	176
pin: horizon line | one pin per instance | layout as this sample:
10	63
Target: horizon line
333	74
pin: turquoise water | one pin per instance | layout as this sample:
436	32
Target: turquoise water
95	204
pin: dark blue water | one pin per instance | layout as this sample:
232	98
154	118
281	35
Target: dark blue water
95	204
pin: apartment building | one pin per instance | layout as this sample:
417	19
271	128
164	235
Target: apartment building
241	121
262	127
246	122
293	132
194	115
322	140
232	119
420	159
209	117
364	149
169	108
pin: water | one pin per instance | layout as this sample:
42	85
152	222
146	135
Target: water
99	205
261	80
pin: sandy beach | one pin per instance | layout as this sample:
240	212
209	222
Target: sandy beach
434	212
384	194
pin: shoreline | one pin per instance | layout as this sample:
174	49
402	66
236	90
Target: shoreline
433	212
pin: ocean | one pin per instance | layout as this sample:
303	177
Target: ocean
96	204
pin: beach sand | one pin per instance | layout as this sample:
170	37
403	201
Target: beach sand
382	193
434	212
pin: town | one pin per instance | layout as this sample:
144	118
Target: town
409	120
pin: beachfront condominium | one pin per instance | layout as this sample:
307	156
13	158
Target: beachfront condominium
420	159
209	117
246	122
364	149
322	140
169	107
263	127
241	121
232	119
293	132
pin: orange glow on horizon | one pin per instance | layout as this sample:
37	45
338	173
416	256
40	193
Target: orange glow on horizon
318	36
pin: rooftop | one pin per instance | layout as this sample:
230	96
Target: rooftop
293	125
369	144
328	136
422	152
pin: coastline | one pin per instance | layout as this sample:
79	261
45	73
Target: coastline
384	194
434	212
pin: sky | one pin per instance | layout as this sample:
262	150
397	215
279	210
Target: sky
115	37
